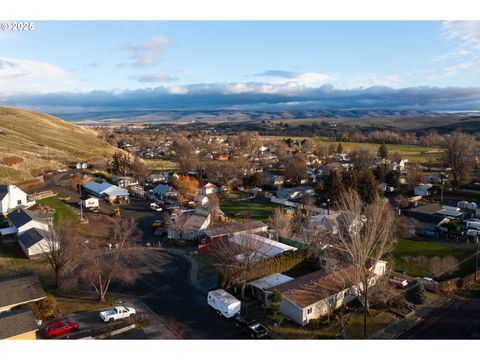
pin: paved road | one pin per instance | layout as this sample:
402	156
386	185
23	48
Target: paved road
460	319
164	287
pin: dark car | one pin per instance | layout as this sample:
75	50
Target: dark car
251	327
60	328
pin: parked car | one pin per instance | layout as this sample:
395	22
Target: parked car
398	282
117	313
60	328
155	207
157	223
251	327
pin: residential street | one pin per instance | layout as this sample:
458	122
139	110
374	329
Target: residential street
164	287
459	319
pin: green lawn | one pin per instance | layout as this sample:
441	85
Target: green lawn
61	210
160	165
251	209
429	249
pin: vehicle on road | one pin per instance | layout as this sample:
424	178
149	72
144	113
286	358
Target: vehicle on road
155	207
224	303
117	313
251	327
398	282
157	223
60	328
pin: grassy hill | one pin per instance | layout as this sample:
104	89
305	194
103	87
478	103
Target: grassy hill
31	142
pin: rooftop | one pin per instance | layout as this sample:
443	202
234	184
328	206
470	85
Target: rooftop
20	289
16	322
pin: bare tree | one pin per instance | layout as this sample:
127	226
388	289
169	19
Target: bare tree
59	248
105	258
460	155
281	222
296	169
238	257
365	234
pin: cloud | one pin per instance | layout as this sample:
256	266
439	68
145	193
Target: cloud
156	78
149	53
258	96
22	75
467	33
278	74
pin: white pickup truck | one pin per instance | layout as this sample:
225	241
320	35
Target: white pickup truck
116	313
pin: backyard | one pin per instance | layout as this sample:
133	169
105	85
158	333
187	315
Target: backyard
61	209
407	250
250	209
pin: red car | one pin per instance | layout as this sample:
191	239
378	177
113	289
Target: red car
60	328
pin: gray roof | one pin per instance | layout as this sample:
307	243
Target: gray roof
232	229
19	289
31	237
17	322
20	217
3	191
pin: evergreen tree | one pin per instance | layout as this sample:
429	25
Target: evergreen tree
392	178
334	185
379	173
382	151
349	178
339	148
416	294
274	314
367	187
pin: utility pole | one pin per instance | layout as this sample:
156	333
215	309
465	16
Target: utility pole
441	193
80	199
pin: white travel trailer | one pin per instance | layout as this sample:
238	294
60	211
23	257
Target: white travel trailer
224	303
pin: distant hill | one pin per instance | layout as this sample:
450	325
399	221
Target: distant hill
32	141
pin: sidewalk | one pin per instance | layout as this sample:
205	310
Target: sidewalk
400	326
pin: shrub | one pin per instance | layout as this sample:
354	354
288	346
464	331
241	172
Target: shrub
416	294
11	160
274	314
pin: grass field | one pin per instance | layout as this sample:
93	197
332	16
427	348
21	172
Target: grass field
61	210
413	248
411	152
160	165
251	209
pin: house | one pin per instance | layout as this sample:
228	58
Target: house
194	223
295	193
264	247
80	166
17	291
31	229
90	202
274	180
224	232
222	158
341	157
422	189
385	188
207	188
164	191
158	177
108	191
201	200
316	294
11	197
124	181
400	165
260	287
35	242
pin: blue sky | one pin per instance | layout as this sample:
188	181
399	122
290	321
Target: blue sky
250	64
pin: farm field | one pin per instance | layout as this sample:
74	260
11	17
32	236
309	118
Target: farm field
418	153
406	250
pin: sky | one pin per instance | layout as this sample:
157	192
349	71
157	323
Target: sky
82	66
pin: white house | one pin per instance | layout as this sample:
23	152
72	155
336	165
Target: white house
207	188
193	223
316	294
35	241
201	200
294	193
11	197
422	189
341	157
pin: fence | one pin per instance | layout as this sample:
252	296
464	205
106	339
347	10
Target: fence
42	195
315	210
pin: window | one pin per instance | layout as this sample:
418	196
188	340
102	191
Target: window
19	202
309	310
